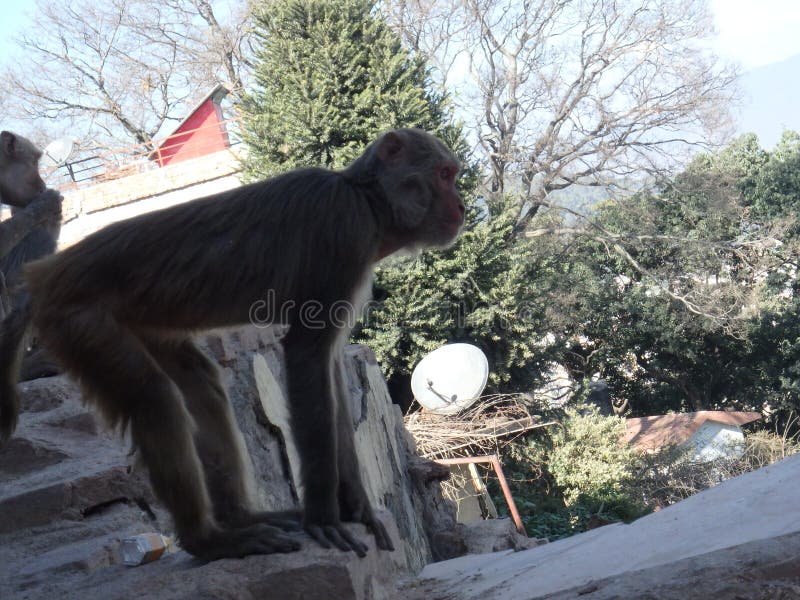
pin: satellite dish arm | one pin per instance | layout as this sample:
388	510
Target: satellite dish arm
441	396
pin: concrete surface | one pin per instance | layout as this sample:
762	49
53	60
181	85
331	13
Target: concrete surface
744	523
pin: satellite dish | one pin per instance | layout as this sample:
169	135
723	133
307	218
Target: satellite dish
57	152
450	378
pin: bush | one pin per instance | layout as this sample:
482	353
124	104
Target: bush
587	459
576	476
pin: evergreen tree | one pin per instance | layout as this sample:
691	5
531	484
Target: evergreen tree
330	76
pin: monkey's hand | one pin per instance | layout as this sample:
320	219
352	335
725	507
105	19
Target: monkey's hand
329	531
47	205
356	507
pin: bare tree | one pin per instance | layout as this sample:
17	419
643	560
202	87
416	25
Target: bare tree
222	44
566	92
113	73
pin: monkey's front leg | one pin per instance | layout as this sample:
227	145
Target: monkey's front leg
312	406
354	504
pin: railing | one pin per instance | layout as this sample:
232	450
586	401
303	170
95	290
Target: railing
138	158
493	460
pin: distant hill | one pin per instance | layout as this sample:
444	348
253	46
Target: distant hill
771	100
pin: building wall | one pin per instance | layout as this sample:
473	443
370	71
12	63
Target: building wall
202	133
716	440
90	209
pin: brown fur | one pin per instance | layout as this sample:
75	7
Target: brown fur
36	217
116	311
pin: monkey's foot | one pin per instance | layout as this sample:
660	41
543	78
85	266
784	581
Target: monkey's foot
336	535
236	543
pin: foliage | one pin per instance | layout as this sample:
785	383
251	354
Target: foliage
773	189
576	476
573	476
329	76
684	298
587	460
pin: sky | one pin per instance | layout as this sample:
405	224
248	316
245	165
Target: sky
757	32
753	33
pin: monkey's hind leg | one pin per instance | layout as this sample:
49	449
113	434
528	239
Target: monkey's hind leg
123	378
218	440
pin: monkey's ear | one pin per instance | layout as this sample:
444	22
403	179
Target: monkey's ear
390	147
8	141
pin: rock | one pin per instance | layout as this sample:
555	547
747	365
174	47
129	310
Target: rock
236	351
384	448
91	570
58	466
82	422
69	499
448	544
70	492
21	456
493	535
46	394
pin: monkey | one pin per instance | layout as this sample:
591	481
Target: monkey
20	181
31	233
118	310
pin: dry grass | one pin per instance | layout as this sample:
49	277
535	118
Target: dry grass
484	428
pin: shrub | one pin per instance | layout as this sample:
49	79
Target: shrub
576	476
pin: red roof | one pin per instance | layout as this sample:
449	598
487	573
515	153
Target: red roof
652	433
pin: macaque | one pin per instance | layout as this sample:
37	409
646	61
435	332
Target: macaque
117	311
33	229
30	233
20	181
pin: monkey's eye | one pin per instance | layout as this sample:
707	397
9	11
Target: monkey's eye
446	173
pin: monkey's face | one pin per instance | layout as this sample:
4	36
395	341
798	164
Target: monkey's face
448	208
20	181
417	174
21	189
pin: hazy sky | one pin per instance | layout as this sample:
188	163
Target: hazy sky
753	32
757	32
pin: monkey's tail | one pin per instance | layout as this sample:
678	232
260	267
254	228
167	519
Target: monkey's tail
12	335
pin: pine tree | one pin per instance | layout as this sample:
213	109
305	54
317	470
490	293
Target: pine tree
330	76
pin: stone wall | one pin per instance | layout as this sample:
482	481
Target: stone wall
70	491
85	210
